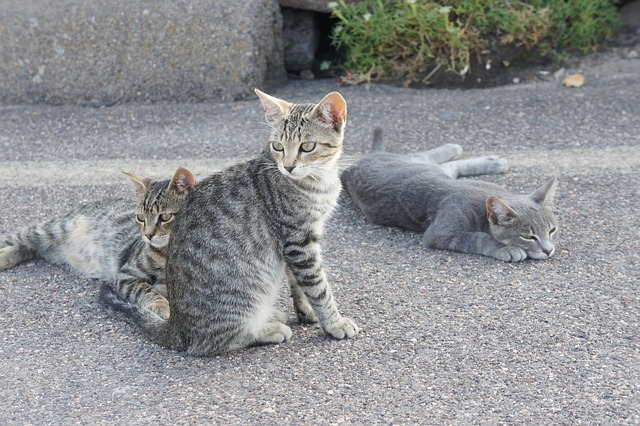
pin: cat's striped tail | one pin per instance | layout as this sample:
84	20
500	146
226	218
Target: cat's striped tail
150	323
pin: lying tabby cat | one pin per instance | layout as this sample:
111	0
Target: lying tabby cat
420	192
241	231
102	240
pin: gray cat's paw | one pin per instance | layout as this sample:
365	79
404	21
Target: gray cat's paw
343	328
453	150
511	254
499	164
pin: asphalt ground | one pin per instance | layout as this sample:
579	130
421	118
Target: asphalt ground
447	338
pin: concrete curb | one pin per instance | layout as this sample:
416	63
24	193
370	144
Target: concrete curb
99	53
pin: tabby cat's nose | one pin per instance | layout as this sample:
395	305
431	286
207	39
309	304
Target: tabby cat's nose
289	168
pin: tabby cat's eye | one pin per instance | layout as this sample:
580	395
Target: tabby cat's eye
140	218
277	146
552	231
166	217
308	146
530	237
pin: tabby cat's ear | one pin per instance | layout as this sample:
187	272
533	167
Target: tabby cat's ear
332	110
274	108
141	183
545	194
498	212
182	182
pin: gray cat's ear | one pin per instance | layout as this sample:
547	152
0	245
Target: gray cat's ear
545	194
141	183
182	182
274	108
498	212
332	110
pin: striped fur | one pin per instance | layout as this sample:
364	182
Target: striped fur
420	192
243	231
102	240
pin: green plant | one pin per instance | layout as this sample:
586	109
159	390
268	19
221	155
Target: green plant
400	38
581	24
393	38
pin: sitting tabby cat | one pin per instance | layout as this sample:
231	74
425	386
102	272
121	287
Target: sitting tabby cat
243	230
102	240
420	192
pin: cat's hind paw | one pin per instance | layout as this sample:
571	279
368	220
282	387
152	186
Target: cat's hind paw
497	164
511	254
274	333
9	257
343	328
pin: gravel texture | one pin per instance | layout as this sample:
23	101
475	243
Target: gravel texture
447	338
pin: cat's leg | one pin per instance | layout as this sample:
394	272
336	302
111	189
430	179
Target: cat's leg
470	242
305	264
136	290
488	165
301	304
441	154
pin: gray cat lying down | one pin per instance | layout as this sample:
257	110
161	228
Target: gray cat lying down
420	192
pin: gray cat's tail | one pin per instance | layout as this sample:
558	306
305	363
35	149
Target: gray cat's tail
154	327
378	142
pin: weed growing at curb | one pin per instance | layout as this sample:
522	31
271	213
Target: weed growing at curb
406	38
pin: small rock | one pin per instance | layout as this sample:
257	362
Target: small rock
307	75
558	75
632	54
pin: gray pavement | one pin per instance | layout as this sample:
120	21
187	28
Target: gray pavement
447	338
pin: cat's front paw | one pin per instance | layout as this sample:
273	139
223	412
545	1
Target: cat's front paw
161	308
304	311
306	317
511	254
343	328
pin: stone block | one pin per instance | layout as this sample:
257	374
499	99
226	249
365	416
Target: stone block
99	53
